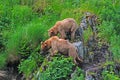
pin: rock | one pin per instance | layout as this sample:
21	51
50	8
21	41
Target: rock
89	77
73	74
82	51
83	23
87	13
3	75
80	47
79	34
93	73
117	69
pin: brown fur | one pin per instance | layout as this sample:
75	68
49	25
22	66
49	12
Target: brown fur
62	46
62	27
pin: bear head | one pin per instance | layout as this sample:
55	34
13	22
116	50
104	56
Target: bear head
45	46
52	32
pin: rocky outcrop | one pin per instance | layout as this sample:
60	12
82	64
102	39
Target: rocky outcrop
80	48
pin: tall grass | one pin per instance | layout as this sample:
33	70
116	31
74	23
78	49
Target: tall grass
31	33
115	47
3	58
21	15
109	29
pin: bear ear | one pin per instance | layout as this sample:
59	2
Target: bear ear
41	42
50	31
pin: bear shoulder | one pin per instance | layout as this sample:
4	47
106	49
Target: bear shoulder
58	23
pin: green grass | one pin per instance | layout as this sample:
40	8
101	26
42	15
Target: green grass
21	15
3	57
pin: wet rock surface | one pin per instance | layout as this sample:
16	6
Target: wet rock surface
97	55
79	46
8	75
3	75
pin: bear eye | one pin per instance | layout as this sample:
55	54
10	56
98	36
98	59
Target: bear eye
52	32
45	44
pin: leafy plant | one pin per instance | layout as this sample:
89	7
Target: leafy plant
58	68
28	66
109	75
78	75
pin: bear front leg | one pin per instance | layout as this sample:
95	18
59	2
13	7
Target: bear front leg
62	34
53	50
74	58
75	61
72	35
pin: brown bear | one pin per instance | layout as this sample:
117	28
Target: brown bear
62	46
67	25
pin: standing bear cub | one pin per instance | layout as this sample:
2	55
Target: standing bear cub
61	46
67	25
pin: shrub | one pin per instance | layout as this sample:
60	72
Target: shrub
28	66
78	75
109	75
58	68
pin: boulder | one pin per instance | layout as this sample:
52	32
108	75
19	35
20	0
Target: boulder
3	75
79	34
80	47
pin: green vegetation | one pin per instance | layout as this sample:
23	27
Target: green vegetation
29	65
110	75
2	59
24	24
55	71
59	68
